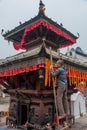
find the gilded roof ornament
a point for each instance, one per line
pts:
(41, 8)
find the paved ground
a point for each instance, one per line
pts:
(5, 128)
(80, 124)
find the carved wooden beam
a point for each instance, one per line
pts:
(35, 92)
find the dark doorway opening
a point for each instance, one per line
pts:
(23, 114)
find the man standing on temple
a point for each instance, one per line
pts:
(61, 85)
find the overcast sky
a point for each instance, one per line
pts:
(71, 13)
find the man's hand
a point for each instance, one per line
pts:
(51, 66)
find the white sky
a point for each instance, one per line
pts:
(71, 13)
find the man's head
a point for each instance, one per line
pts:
(59, 63)
(48, 126)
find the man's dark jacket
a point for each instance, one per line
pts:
(61, 76)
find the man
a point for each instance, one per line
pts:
(61, 84)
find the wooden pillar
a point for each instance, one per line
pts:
(27, 112)
(41, 79)
(17, 108)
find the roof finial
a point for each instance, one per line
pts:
(41, 8)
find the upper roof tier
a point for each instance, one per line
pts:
(31, 33)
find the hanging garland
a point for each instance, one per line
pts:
(48, 77)
(47, 73)
(76, 76)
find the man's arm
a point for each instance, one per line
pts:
(54, 73)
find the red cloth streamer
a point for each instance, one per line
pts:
(56, 120)
(18, 46)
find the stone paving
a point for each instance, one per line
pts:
(80, 123)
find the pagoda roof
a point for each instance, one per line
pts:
(21, 27)
(18, 34)
(36, 51)
(28, 55)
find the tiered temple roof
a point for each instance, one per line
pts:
(31, 33)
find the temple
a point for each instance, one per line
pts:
(26, 75)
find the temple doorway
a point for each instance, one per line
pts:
(23, 114)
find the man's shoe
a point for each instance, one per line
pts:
(62, 116)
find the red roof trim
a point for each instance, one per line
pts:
(49, 26)
(21, 70)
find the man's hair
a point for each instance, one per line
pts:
(60, 61)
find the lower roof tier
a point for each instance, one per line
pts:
(33, 60)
